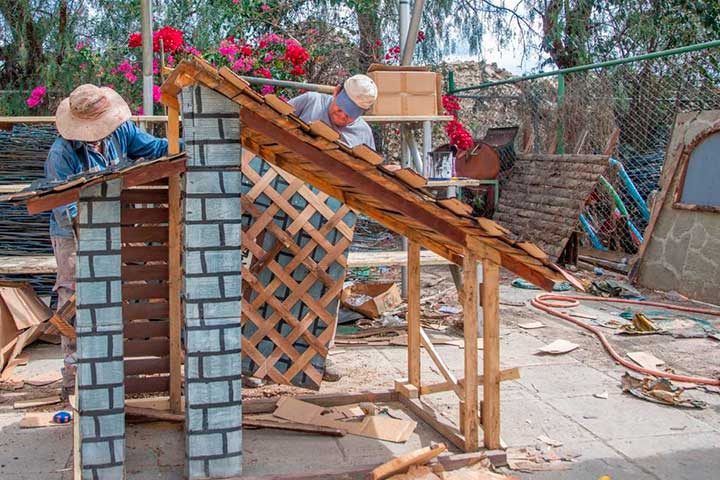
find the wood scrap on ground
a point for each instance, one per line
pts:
(37, 402)
(39, 420)
(534, 459)
(404, 462)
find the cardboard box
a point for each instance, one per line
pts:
(372, 299)
(407, 91)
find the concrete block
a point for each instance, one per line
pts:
(203, 235)
(226, 417)
(93, 191)
(197, 288)
(82, 267)
(232, 181)
(107, 211)
(119, 448)
(109, 372)
(193, 210)
(82, 213)
(200, 445)
(196, 469)
(232, 284)
(91, 293)
(194, 420)
(203, 393)
(93, 347)
(114, 187)
(206, 341)
(92, 400)
(223, 261)
(87, 427)
(107, 266)
(226, 467)
(112, 425)
(226, 154)
(110, 317)
(192, 366)
(118, 397)
(115, 291)
(83, 318)
(95, 241)
(95, 453)
(193, 263)
(223, 208)
(221, 365)
(217, 310)
(202, 182)
(110, 473)
(232, 234)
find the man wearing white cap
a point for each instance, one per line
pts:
(342, 111)
(95, 134)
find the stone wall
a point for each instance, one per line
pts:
(212, 291)
(683, 252)
(99, 327)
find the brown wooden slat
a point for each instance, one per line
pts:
(144, 196)
(144, 291)
(130, 216)
(156, 347)
(147, 366)
(144, 254)
(135, 330)
(147, 384)
(144, 272)
(143, 311)
(143, 234)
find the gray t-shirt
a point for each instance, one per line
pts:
(312, 106)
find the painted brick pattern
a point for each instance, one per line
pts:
(212, 291)
(99, 326)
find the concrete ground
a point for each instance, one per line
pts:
(621, 436)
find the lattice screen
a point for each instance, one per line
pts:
(297, 240)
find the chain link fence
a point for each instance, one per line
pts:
(626, 110)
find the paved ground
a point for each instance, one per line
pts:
(621, 436)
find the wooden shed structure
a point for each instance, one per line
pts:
(201, 290)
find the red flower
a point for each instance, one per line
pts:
(296, 54)
(451, 105)
(378, 43)
(135, 40)
(458, 136)
(247, 50)
(172, 39)
(420, 36)
(297, 70)
(263, 72)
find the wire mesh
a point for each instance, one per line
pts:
(626, 111)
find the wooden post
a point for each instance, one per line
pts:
(469, 415)
(491, 354)
(413, 313)
(175, 266)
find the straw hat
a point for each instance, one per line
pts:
(362, 90)
(91, 113)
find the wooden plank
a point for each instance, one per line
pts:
(150, 173)
(444, 370)
(456, 206)
(505, 375)
(403, 463)
(28, 264)
(367, 154)
(491, 354)
(173, 128)
(145, 384)
(279, 104)
(140, 366)
(428, 415)
(143, 234)
(149, 253)
(144, 196)
(392, 259)
(470, 334)
(145, 291)
(77, 438)
(155, 347)
(323, 130)
(143, 330)
(130, 273)
(413, 313)
(144, 311)
(48, 202)
(175, 280)
(411, 177)
(268, 405)
(143, 216)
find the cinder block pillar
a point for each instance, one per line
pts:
(99, 326)
(212, 291)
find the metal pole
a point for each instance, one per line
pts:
(147, 49)
(404, 11)
(411, 40)
(560, 100)
(290, 84)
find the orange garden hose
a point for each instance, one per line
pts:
(548, 302)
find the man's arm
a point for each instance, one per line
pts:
(300, 103)
(59, 166)
(143, 145)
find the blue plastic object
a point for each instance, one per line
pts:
(62, 417)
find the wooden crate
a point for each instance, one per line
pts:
(297, 241)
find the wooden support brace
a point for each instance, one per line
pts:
(413, 313)
(470, 427)
(406, 389)
(491, 354)
(175, 266)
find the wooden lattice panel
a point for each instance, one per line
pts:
(144, 255)
(297, 240)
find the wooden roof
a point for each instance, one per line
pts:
(44, 195)
(545, 194)
(396, 199)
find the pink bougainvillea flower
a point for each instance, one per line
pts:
(157, 93)
(131, 77)
(378, 43)
(420, 36)
(193, 51)
(236, 2)
(36, 96)
(269, 39)
(263, 72)
(264, 7)
(83, 66)
(135, 40)
(268, 57)
(284, 98)
(267, 89)
(156, 66)
(140, 111)
(246, 50)
(80, 45)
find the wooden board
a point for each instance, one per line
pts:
(298, 239)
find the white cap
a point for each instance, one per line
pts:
(362, 90)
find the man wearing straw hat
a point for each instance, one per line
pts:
(95, 134)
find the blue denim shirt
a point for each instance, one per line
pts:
(71, 157)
